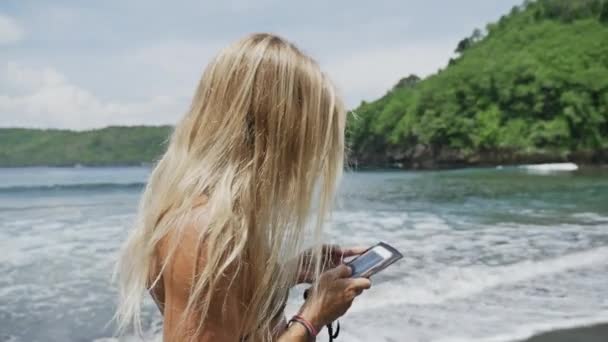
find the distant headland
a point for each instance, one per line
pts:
(529, 88)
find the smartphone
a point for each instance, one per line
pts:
(374, 260)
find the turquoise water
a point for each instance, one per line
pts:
(490, 255)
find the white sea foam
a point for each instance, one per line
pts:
(131, 338)
(551, 167)
(590, 217)
(464, 275)
(526, 331)
(453, 283)
(517, 334)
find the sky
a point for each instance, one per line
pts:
(89, 64)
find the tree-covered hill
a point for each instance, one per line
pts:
(531, 87)
(107, 146)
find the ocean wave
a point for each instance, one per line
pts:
(526, 331)
(28, 208)
(78, 187)
(454, 283)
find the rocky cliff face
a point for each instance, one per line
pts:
(420, 157)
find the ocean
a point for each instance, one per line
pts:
(490, 255)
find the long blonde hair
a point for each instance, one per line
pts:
(263, 141)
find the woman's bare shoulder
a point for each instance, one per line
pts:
(187, 260)
(184, 246)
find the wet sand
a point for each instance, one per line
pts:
(595, 333)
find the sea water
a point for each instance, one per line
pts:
(489, 255)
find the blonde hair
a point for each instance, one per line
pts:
(263, 141)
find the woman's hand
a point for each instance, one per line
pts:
(333, 296)
(332, 256)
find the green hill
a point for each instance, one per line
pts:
(107, 146)
(532, 87)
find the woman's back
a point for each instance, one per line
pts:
(175, 281)
(264, 129)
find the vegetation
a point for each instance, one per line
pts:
(531, 87)
(108, 146)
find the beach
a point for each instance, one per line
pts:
(594, 333)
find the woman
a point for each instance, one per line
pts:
(249, 173)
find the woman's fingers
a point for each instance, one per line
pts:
(341, 271)
(351, 251)
(360, 284)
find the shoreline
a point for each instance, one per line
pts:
(591, 333)
(351, 167)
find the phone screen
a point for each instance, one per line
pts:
(364, 264)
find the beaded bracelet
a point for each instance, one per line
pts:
(309, 327)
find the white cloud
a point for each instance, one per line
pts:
(10, 31)
(368, 73)
(175, 56)
(360, 74)
(45, 98)
(144, 65)
(177, 64)
(20, 79)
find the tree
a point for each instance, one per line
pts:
(476, 35)
(536, 82)
(463, 45)
(407, 82)
(604, 13)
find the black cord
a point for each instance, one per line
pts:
(330, 329)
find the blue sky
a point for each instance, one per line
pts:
(88, 64)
